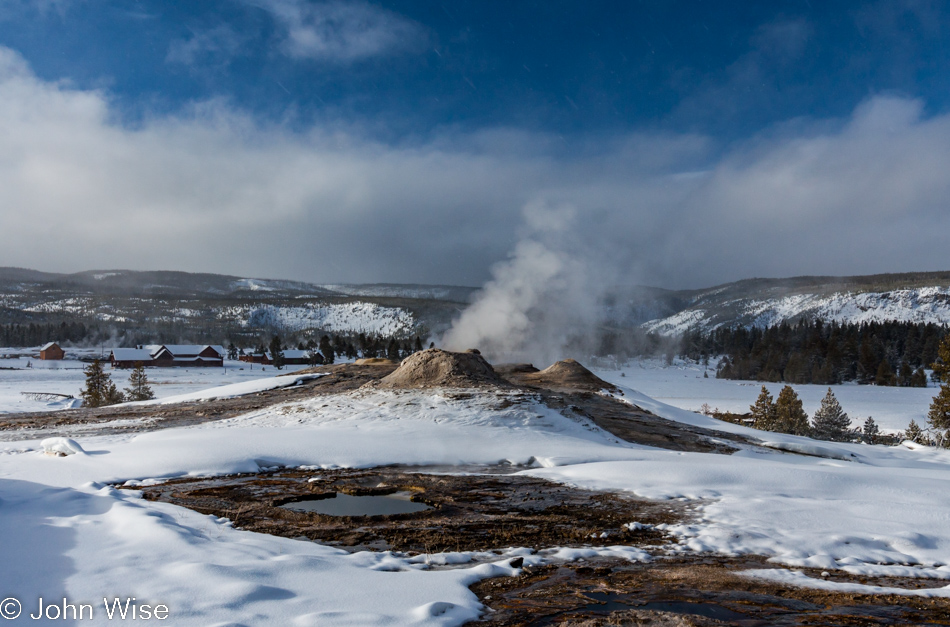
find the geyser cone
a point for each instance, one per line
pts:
(438, 368)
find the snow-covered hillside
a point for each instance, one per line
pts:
(925, 304)
(355, 317)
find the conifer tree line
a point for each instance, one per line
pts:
(882, 353)
(328, 348)
(34, 334)
(785, 414)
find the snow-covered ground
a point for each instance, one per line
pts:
(682, 385)
(68, 534)
(66, 377)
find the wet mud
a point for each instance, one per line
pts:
(690, 590)
(468, 512)
(491, 510)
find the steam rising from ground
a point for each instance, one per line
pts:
(543, 301)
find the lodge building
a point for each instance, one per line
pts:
(169, 356)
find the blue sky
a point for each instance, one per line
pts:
(729, 69)
(409, 137)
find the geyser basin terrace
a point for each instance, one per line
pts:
(599, 490)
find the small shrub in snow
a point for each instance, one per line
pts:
(915, 434)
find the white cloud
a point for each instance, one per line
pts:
(214, 190)
(342, 31)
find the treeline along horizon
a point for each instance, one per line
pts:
(882, 353)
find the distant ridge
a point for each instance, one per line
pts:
(908, 297)
(192, 307)
(173, 302)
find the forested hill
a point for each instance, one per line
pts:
(130, 307)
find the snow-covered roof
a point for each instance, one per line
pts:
(47, 346)
(296, 354)
(132, 354)
(185, 350)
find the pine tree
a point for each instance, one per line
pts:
(941, 367)
(830, 421)
(314, 358)
(915, 434)
(99, 390)
(326, 349)
(884, 376)
(939, 415)
(139, 389)
(232, 352)
(276, 353)
(905, 373)
(112, 395)
(392, 350)
(790, 417)
(871, 432)
(763, 411)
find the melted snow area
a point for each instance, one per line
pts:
(66, 533)
(356, 317)
(927, 304)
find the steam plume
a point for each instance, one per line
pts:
(542, 302)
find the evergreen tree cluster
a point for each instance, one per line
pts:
(785, 414)
(100, 390)
(882, 353)
(328, 348)
(34, 334)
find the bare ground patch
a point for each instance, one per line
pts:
(469, 512)
(481, 512)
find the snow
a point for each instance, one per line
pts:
(66, 377)
(682, 385)
(87, 540)
(61, 446)
(355, 317)
(132, 354)
(871, 510)
(797, 578)
(920, 305)
(233, 390)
